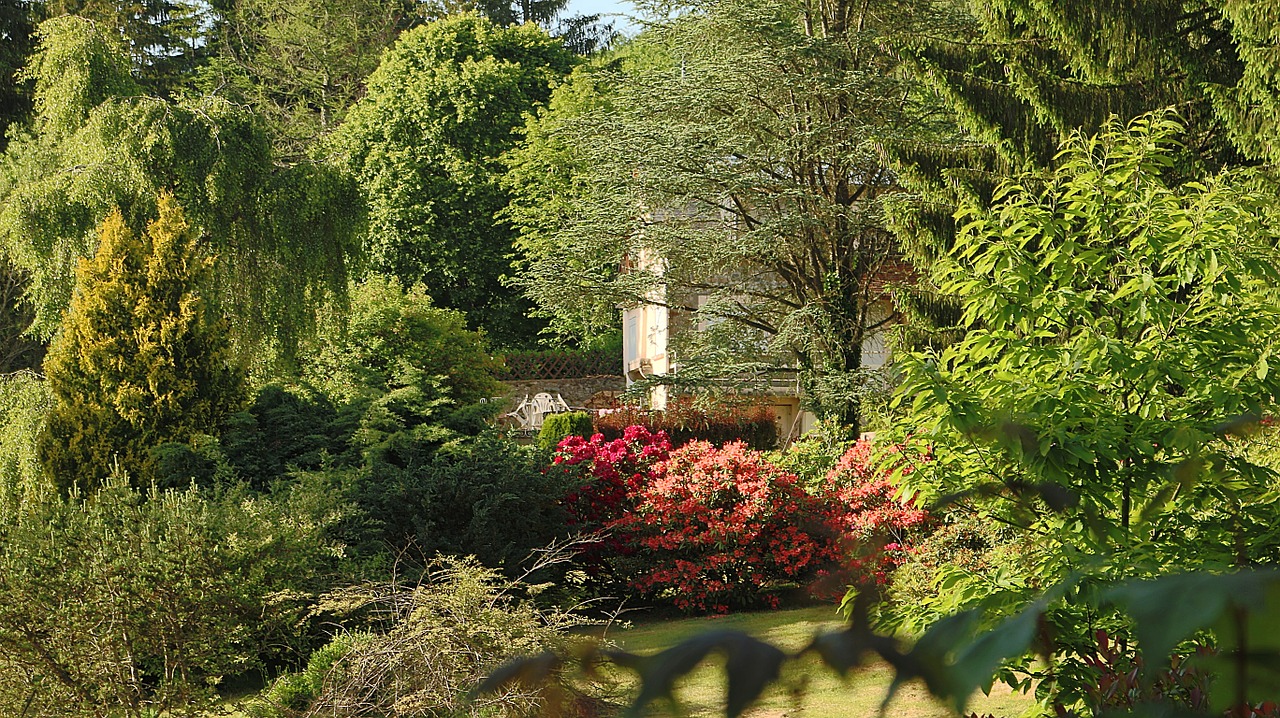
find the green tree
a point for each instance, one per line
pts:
(425, 144)
(1020, 78)
(17, 40)
(285, 234)
(1248, 108)
(735, 171)
(302, 63)
(166, 39)
(141, 359)
(1120, 329)
(389, 332)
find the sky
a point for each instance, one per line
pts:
(606, 7)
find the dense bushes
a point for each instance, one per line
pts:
(719, 525)
(605, 480)
(129, 603)
(485, 496)
(877, 527)
(683, 422)
(557, 426)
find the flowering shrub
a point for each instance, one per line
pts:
(717, 525)
(612, 475)
(876, 527)
(683, 422)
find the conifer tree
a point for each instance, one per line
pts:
(1023, 77)
(141, 359)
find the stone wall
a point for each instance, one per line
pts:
(576, 392)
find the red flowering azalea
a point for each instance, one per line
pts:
(612, 474)
(718, 525)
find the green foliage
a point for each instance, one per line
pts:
(729, 170)
(813, 455)
(425, 142)
(302, 63)
(127, 602)
(1020, 78)
(284, 430)
(166, 39)
(142, 358)
(1120, 331)
(75, 70)
(17, 27)
(948, 568)
(284, 234)
(387, 332)
(24, 404)
(486, 497)
(960, 654)
(1248, 109)
(558, 426)
(295, 692)
(427, 647)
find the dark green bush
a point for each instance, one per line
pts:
(284, 429)
(484, 496)
(558, 426)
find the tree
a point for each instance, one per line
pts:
(1247, 108)
(734, 171)
(388, 332)
(17, 30)
(1020, 78)
(425, 144)
(1120, 329)
(285, 234)
(166, 39)
(301, 64)
(141, 359)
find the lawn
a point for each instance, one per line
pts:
(826, 696)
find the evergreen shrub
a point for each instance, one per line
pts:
(557, 426)
(148, 599)
(483, 496)
(142, 358)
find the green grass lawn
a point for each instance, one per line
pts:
(826, 695)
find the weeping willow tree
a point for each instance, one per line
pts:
(732, 175)
(284, 235)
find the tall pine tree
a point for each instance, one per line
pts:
(1021, 77)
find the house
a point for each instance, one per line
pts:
(650, 328)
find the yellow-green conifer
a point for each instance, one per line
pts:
(141, 359)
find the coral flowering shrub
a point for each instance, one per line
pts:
(717, 525)
(860, 505)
